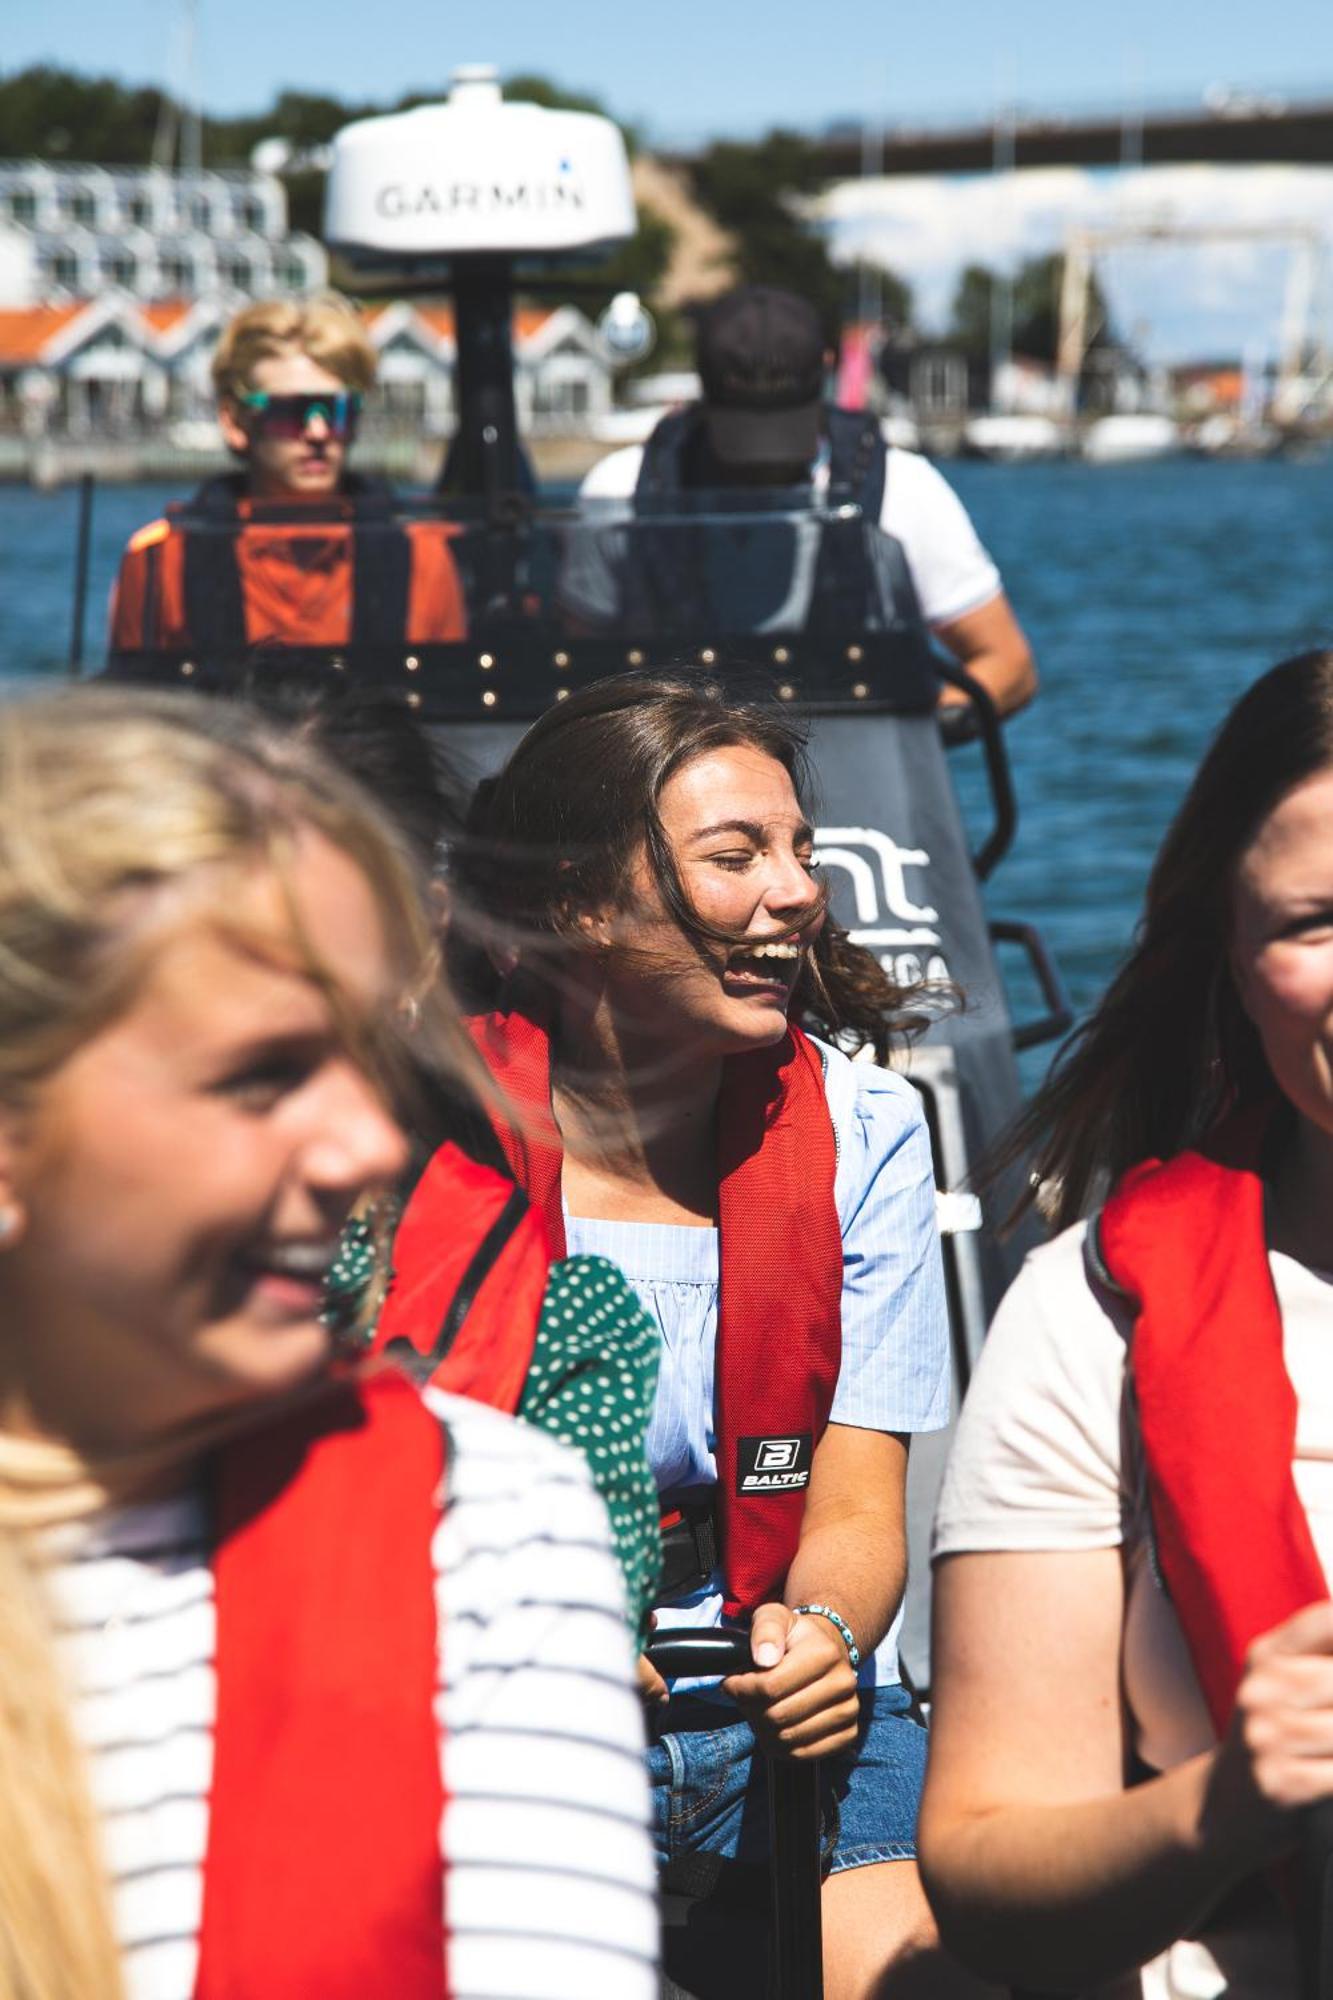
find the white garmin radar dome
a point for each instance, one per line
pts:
(474, 177)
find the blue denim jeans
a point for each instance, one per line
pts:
(710, 1791)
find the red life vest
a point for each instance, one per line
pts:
(779, 1334)
(470, 1264)
(323, 1877)
(1216, 1409)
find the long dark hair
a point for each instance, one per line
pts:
(1169, 1049)
(556, 834)
(369, 731)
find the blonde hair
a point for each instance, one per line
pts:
(109, 801)
(327, 328)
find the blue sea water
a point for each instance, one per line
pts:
(1152, 595)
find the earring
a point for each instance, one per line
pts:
(9, 1222)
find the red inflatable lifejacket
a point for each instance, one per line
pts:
(1216, 1409)
(323, 1876)
(779, 1337)
(470, 1264)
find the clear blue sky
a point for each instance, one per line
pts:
(687, 68)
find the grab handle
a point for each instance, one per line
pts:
(1059, 1016)
(701, 1650)
(998, 775)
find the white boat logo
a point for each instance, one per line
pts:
(887, 919)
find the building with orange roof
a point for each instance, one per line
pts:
(562, 374)
(111, 366)
(115, 283)
(80, 368)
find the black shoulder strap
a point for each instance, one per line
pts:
(845, 597)
(482, 1262)
(662, 470)
(858, 459)
(150, 621)
(217, 499)
(381, 565)
(863, 575)
(372, 499)
(1095, 1258)
(214, 602)
(444, 1116)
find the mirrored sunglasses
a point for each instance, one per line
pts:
(290, 416)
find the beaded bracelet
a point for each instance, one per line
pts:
(839, 1624)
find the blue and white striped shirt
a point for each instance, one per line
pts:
(895, 1334)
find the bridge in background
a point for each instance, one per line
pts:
(1242, 130)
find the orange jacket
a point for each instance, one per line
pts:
(296, 582)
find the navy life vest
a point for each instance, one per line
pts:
(861, 581)
(215, 600)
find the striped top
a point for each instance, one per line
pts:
(551, 1885)
(895, 1333)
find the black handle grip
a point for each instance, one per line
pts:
(796, 1955)
(699, 1650)
(1315, 1923)
(1059, 1016)
(998, 775)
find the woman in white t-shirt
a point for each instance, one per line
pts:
(305, 1685)
(1134, 1653)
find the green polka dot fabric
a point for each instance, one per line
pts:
(591, 1384)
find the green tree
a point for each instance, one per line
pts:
(1037, 286)
(1035, 310)
(637, 266)
(48, 113)
(970, 317)
(756, 192)
(875, 289)
(752, 191)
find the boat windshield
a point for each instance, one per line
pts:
(497, 611)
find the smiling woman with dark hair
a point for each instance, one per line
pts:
(641, 872)
(1137, 1519)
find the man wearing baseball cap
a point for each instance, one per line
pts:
(763, 421)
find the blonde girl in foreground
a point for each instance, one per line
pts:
(279, 1645)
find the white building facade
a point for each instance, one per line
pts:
(70, 232)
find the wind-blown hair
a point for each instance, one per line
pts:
(557, 832)
(1169, 1049)
(123, 814)
(328, 328)
(369, 731)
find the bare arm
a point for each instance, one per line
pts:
(853, 1557)
(990, 643)
(853, 1547)
(1042, 1869)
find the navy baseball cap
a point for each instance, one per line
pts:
(761, 363)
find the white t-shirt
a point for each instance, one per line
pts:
(951, 569)
(551, 1886)
(1046, 1457)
